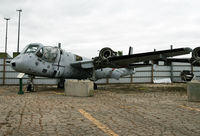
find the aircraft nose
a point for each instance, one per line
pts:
(16, 63)
(13, 64)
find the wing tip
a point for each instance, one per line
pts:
(188, 49)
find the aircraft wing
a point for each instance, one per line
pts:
(183, 60)
(129, 60)
(192, 61)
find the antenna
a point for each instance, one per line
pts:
(59, 45)
(130, 50)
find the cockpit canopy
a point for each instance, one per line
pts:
(31, 48)
(46, 53)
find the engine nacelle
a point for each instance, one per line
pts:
(196, 53)
(106, 53)
(196, 56)
(113, 73)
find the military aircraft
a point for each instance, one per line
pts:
(47, 61)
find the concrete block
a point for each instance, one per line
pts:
(79, 88)
(193, 91)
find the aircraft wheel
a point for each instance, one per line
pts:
(61, 83)
(30, 88)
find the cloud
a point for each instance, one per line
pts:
(86, 26)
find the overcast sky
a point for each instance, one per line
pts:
(86, 26)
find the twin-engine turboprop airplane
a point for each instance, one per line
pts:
(39, 60)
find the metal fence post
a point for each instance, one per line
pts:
(171, 71)
(152, 73)
(107, 80)
(171, 68)
(192, 68)
(131, 81)
(4, 70)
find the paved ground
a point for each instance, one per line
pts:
(139, 110)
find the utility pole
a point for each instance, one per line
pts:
(18, 10)
(6, 33)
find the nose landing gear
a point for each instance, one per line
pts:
(30, 85)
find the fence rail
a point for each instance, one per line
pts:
(143, 75)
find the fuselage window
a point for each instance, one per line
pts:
(31, 49)
(78, 58)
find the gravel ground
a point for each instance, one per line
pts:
(126, 109)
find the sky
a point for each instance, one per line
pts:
(86, 26)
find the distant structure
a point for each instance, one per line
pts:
(18, 10)
(6, 38)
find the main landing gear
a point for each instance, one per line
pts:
(61, 83)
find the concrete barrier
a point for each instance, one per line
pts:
(193, 91)
(79, 88)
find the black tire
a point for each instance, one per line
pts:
(61, 83)
(30, 88)
(186, 75)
